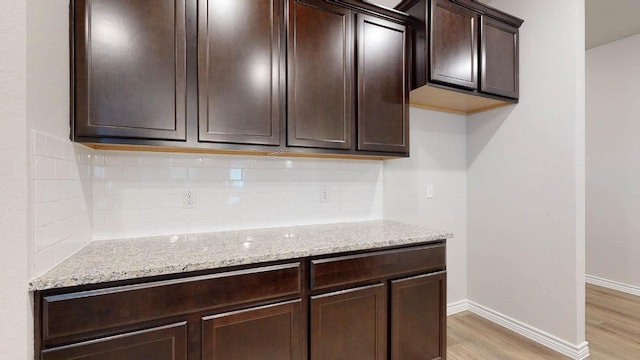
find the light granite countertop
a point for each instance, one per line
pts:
(123, 259)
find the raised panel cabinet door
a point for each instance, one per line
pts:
(162, 343)
(350, 324)
(273, 332)
(418, 317)
(239, 54)
(454, 44)
(129, 69)
(320, 81)
(499, 58)
(383, 92)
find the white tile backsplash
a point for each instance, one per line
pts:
(82, 194)
(141, 193)
(62, 199)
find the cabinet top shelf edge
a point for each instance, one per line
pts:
(480, 8)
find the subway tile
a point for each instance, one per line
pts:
(186, 161)
(138, 173)
(39, 143)
(51, 234)
(108, 172)
(120, 158)
(73, 189)
(55, 147)
(48, 190)
(66, 170)
(208, 174)
(97, 158)
(148, 159)
(172, 173)
(69, 152)
(44, 260)
(44, 168)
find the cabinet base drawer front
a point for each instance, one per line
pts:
(272, 332)
(163, 343)
(88, 311)
(350, 324)
(352, 269)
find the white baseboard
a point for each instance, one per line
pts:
(457, 307)
(579, 352)
(613, 285)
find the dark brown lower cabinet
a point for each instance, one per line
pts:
(363, 305)
(418, 312)
(162, 343)
(350, 324)
(272, 332)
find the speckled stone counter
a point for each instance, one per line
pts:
(112, 260)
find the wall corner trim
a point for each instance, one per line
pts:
(576, 352)
(613, 285)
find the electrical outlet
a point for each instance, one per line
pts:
(324, 194)
(189, 199)
(430, 194)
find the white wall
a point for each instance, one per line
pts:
(613, 161)
(526, 180)
(15, 314)
(438, 157)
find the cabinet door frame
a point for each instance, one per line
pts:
(80, 80)
(277, 77)
(486, 21)
(363, 143)
(348, 107)
(176, 332)
(434, 74)
(318, 301)
(211, 323)
(399, 284)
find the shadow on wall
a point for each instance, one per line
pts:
(482, 127)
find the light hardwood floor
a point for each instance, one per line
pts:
(613, 333)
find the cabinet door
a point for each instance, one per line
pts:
(130, 69)
(268, 333)
(454, 44)
(320, 75)
(239, 71)
(418, 317)
(383, 118)
(163, 343)
(349, 324)
(499, 62)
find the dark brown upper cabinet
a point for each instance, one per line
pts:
(465, 55)
(383, 91)
(239, 70)
(129, 69)
(331, 94)
(316, 78)
(321, 72)
(454, 45)
(499, 58)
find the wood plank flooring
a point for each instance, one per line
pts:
(613, 333)
(613, 324)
